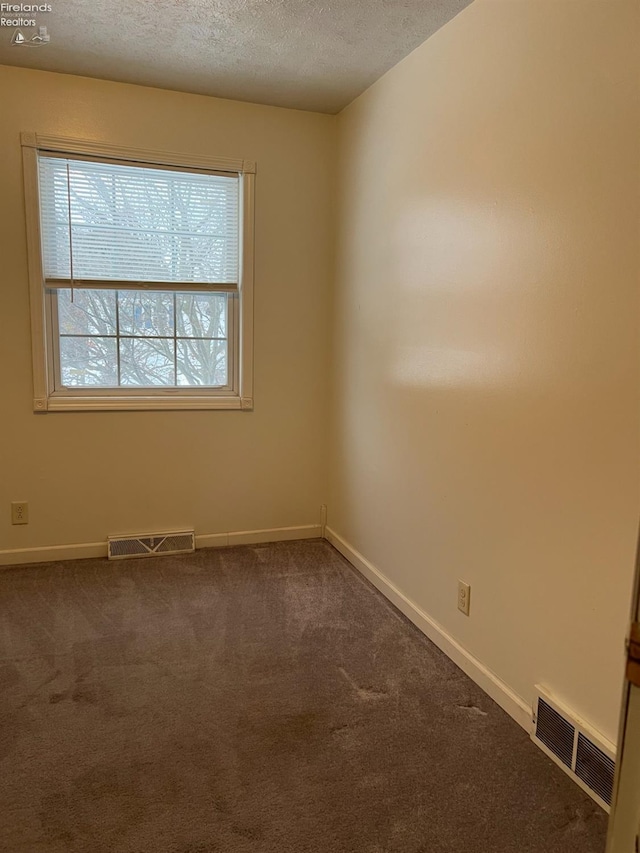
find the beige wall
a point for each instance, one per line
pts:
(486, 337)
(90, 474)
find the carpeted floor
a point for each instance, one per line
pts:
(258, 699)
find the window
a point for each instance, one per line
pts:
(141, 277)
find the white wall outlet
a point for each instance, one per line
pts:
(464, 597)
(19, 512)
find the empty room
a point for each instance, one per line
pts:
(319, 489)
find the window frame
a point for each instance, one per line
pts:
(44, 337)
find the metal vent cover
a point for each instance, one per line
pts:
(151, 544)
(556, 733)
(595, 768)
(580, 752)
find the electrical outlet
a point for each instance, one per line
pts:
(464, 597)
(19, 512)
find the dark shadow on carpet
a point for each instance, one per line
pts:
(261, 699)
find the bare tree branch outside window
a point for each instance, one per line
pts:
(165, 230)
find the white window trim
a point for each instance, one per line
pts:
(45, 397)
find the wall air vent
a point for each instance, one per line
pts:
(151, 544)
(582, 754)
(595, 768)
(556, 733)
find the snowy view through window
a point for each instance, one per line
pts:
(107, 227)
(128, 337)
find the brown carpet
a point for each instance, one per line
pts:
(259, 699)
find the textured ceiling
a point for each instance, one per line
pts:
(291, 53)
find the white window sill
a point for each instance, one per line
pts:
(73, 403)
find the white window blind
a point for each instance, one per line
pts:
(124, 223)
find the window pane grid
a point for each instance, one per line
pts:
(146, 337)
(172, 356)
(175, 345)
(119, 366)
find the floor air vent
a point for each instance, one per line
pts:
(581, 753)
(150, 545)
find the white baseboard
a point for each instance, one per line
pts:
(51, 553)
(255, 537)
(488, 681)
(84, 550)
